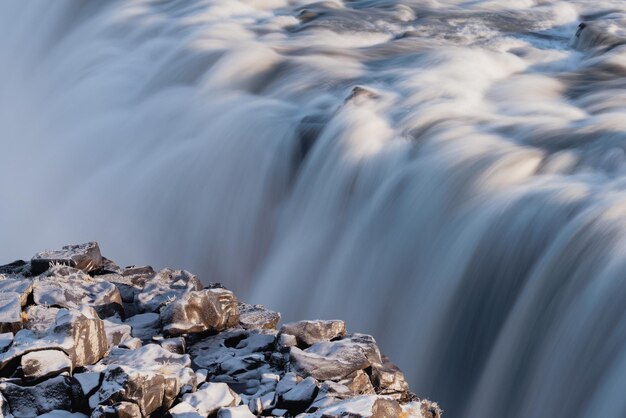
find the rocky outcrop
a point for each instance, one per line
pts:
(81, 336)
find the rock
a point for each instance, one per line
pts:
(129, 281)
(85, 257)
(199, 311)
(210, 397)
(62, 414)
(174, 345)
(257, 316)
(184, 410)
(32, 401)
(6, 339)
(40, 318)
(389, 380)
(89, 382)
(144, 326)
(165, 287)
(23, 287)
(131, 343)
(604, 34)
(367, 406)
(235, 412)
(18, 268)
(66, 287)
(308, 333)
(329, 360)
(80, 334)
(358, 383)
(117, 410)
(116, 333)
(45, 363)
(10, 312)
(298, 398)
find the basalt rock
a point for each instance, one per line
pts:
(84, 337)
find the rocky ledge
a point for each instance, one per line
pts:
(81, 336)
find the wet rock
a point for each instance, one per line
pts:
(165, 287)
(10, 312)
(199, 311)
(45, 363)
(66, 287)
(308, 333)
(210, 397)
(85, 257)
(257, 316)
(32, 401)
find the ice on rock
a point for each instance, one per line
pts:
(10, 312)
(85, 257)
(210, 397)
(166, 286)
(66, 287)
(308, 333)
(44, 363)
(199, 311)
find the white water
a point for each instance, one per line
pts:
(472, 216)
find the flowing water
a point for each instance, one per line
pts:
(466, 202)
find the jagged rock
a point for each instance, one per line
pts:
(333, 360)
(10, 312)
(198, 311)
(85, 257)
(130, 281)
(359, 383)
(144, 326)
(210, 397)
(44, 363)
(116, 333)
(40, 318)
(389, 380)
(308, 333)
(32, 401)
(257, 316)
(80, 334)
(23, 287)
(165, 287)
(235, 412)
(67, 287)
(117, 410)
(367, 406)
(298, 398)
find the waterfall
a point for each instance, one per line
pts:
(447, 175)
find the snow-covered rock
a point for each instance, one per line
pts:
(85, 337)
(85, 257)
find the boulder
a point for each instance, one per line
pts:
(241, 411)
(257, 316)
(298, 398)
(85, 257)
(10, 312)
(164, 287)
(389, 380)
(144, 326)
(66, 287)
(210, 397)
(117, 410)
(199, 311)
(23, 287)
(32, 401)
(367, 406)
(40, 318)
(45, 363)
(308, 333)
(116, 333)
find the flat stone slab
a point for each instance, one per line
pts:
(10, 312)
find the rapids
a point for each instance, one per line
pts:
(466, 204)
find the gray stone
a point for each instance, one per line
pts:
(199, 311)
(298, 398)
(310, 332)
(85, 257)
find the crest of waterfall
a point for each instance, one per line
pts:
(448, 175)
